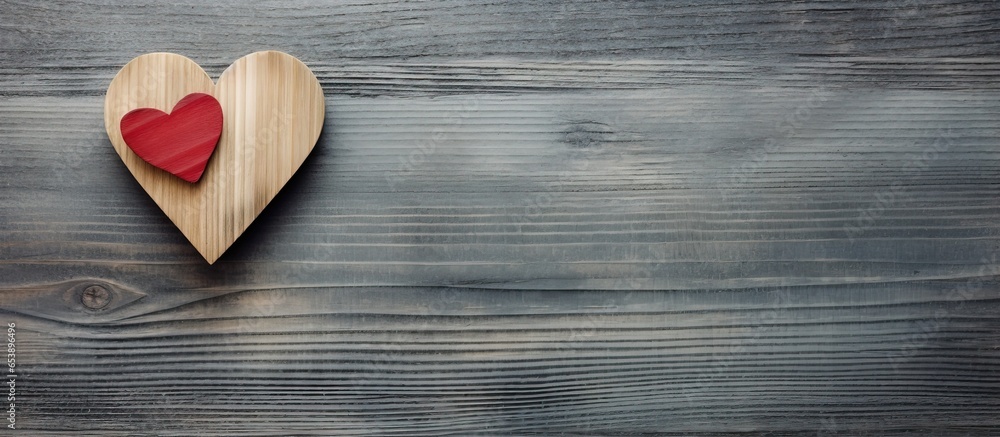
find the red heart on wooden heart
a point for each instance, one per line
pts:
(180, 142)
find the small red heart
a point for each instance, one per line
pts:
(180, 142)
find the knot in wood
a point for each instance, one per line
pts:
(95, 297)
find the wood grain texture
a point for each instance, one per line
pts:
(273, 110)
(893, 359)
(544, 218)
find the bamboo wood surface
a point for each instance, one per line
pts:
(525, 218)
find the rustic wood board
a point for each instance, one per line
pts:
(631, 218)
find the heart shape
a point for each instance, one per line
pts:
(273, 111)
(180, 142)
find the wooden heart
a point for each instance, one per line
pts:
(179, 142)
(273, 111)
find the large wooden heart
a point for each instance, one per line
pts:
(273, 111)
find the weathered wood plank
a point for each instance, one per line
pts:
(411, 78)
(104, 32)
(385, 361)
(669, 189)
(642, 217)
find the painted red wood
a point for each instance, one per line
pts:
(180, 142)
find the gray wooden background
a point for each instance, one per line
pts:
(525, 218)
